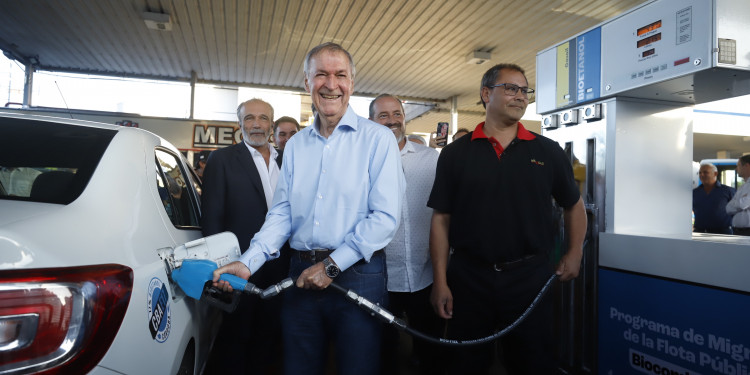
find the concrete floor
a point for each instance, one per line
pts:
(409, 365)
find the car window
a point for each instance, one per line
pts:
(174, 190)
(196, 182)
(48, 162)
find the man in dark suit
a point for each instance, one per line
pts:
(238, 186)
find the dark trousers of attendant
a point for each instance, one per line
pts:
(484, 301)
(416, 309)
(311, 319)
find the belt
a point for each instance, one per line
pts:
(317, 255)
(503, 266)
(313, 256)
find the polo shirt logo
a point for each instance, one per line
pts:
(534, 161)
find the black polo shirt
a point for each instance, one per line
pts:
(500, 201)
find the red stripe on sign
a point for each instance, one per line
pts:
(682, 61)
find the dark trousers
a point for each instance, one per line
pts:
(249, 339)
(416, 309)
(484, 301)
(741, 231)
(313, 319)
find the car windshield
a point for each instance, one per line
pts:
(48, 162)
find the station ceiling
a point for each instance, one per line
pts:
(417, 49)
(414, 49)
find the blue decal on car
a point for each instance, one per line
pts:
(159, 311)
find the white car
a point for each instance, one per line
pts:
(87, 212)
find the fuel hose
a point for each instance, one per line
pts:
(389, 318)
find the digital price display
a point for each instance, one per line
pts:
(649, 27)
(648, 53)
(649, 40)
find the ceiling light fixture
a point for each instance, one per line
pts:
(478, 57)
(157, 21)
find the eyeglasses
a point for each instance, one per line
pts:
(512, 90)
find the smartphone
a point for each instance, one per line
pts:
(442, 132)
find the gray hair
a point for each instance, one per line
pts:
(239, 107)
(330, 47)
(710, 165)
(372, 104)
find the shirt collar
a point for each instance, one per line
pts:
(522, 133)
(408, 147)
(253, 151)
(349, 120)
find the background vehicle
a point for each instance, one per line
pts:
(85, 211)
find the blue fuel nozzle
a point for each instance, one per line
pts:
(195, 278)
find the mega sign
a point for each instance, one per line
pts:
(215, 136)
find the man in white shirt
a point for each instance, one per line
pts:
(739, 206)
(238, 186)
(408, 254)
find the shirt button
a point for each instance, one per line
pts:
(316, 222)
(320, 196)
(328, 146)
(324, 171)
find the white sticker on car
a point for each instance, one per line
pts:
(159, 311)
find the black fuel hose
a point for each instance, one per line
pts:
(389, 318)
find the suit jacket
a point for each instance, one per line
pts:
(233, 200)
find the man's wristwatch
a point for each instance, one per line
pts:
(332, 270)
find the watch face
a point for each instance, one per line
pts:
(332, 271)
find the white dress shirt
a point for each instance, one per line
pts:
(408, 255)
(739, 206)
(269, 174)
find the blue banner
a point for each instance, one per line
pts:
(587, 72)
(655, 326)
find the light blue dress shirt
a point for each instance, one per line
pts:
(342, 193)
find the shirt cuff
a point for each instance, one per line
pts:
(253, 260)
(345, 257)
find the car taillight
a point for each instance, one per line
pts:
(60, 320)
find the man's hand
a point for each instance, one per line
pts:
(236, 268)
(442, 301)
(314, 277)
(569, 265)
(434, 140)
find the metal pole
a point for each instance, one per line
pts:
(454, 114)
(27, 85)
(193, 81)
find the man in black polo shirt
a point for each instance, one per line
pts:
(492, 201)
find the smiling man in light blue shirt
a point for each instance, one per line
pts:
(338, 201)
